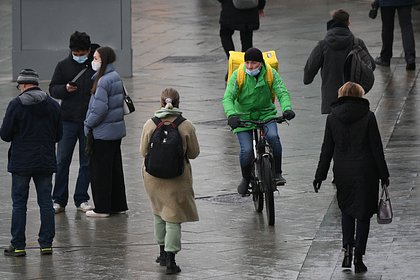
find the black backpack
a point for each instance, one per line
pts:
(358, 67)
(165, 157)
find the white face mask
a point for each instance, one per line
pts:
(96, 65)
(254, 72)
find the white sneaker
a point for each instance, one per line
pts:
(84, 206)
(93, 214)
(57, 208)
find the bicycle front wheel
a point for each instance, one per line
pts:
(268, 183)
(257, 195)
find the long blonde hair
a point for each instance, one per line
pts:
(351, 89)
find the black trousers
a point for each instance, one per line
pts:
(404, 17)
(227, 42)
(107, 177)
(348, 224)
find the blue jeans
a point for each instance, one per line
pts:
(71, 133)
(20, 192)
(246, 155)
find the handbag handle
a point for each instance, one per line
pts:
(385, 191)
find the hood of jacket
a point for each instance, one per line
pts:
(35, 101)
(338, 35)
(350, 109)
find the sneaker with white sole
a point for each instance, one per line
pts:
(58, 208)
(84, 206)
(93, 214)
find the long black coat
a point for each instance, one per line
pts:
(352, 139)
(235, 19)
(329, 55)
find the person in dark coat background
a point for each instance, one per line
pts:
(329, 55)
(353, 140)
(246, 21)
(388, 8)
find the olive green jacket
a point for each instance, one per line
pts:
(254, 101)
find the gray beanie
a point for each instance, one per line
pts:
(28, 76)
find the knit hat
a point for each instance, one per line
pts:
(254, 54)
(28, 76)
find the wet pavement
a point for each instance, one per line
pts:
(176, 43)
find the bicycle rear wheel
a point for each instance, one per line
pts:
(268, 183)
(257, 195)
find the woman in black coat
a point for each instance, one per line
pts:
(246, 21)
(352, 139)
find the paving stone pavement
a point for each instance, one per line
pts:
(176, 43)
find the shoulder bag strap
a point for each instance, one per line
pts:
(79, 74)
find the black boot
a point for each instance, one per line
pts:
(161, 259)
(171, 267)
(278, 178)
(359, 266)
(246, 179)
(348, 256)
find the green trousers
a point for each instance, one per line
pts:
(168, 234)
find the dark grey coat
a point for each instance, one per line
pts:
(352, 139)
(329, 55)
(235, 19)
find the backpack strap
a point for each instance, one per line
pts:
(178, 121)
(157, 121)
(268, 77)
(240, 79)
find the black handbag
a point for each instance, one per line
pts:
(128, 104)
(385, 214)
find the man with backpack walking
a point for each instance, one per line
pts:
(253, 100)
(330, 55)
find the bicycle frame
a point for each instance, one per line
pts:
(261, 149)
(262, 180)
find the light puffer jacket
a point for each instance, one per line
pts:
(105, 111)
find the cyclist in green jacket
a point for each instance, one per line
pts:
(253, 100)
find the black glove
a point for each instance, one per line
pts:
(385, 182)
(288, 115)
(233, 121)
(374, 11)
(317, 185)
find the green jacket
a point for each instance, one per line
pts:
(254, 102)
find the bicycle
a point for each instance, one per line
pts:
(263, 170)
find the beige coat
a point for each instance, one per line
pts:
(172, 199)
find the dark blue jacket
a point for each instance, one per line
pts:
(395, 3)
(32, 124)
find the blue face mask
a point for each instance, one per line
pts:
(254, 72)
(80, 59)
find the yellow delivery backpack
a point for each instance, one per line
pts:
(236, 61)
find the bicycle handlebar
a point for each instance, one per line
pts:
(245, 123)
